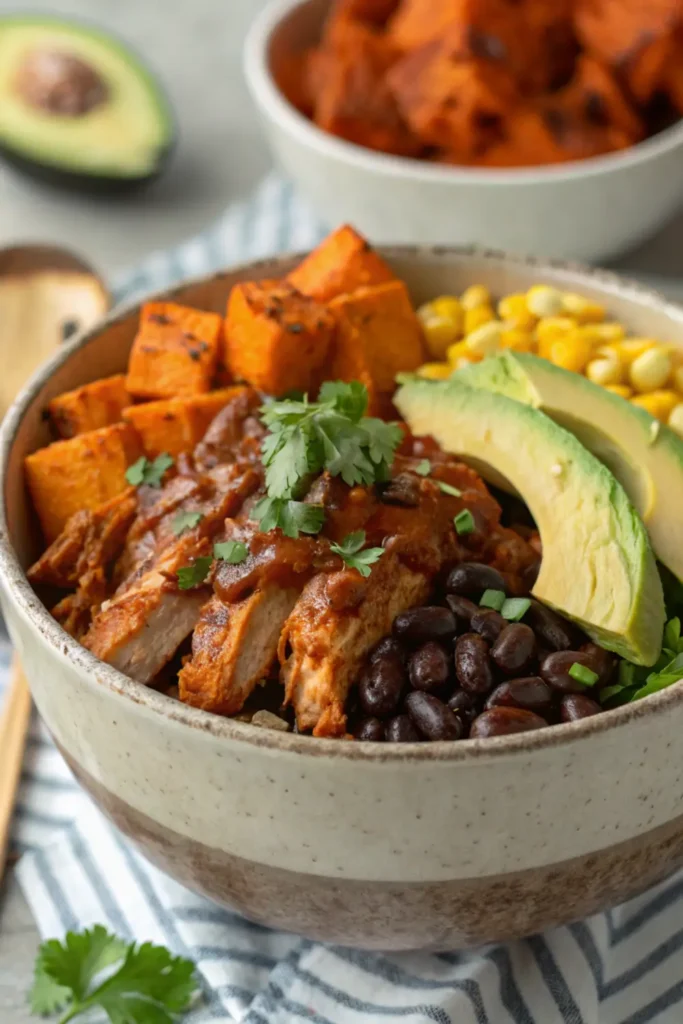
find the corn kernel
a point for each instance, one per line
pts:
(582, 309)
(552, 329)
(571, 353)
(457, 351)
(676, 418)
(619, 389)
(474, 318)
(514, 310)
(678, 378)
(651, 370)
(474, 296)
(659, 404)
(543, 300)
(606, 370)
(449, 306)
(517, 339)
(435, 371)
(631, 348)
(486, 339)
(464, 361)
(603, 334)
(439, 332)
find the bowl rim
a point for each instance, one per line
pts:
(272, 101)
(19, 591)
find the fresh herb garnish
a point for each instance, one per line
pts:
(449, 489)
(150, 473)
(464, 522)
(515, 608)
(583, 675)
(423, 468)
(350, 550)
(149, 985)
(192, 575)
(493, 599)
(185, 521)
(293, 517)
(232, 551)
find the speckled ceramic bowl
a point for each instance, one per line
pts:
(398, 846)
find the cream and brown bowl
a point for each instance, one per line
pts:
(383, 846)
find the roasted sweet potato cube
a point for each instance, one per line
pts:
(418, 22)
(378, 336)
(80, 473)
(176, 425)
(90, 407)
(276, 338)
(375, 12)
(175, 351)
(343, 262)
(528, 142)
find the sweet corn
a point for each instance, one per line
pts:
(515, 311)
(676, 418)
(571, 353)
(581, 309)
(486, 339)
(435, 371)
(543, 300)
(457, 351)
(619, 389)
(651, 370)
(552, 329)
(630, 349)
(659, 404)
(517, 339)
(448, 306)
(477, 316)
(439, 332)
(604, 371)
(474, 296)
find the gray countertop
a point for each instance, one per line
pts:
(196, 50)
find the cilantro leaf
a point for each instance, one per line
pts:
(350, 550)
(185, 521)
(231, 551)
(267, 513)
(135, 474)
(75, 962)
(660, 680)
(351, 399)
(150, 473)
(672, 634)
(383, 439)
(292, 517)
(424, 468)
(46, 995)
(192, 575)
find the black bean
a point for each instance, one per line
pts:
(528, 692)
(464, 706)
(370, 729)
(515, 649)
(401, 730)
(418, 625)
(575, 706)
(488, 623)
(502, 721)
(471, 579)
(432, 718)
(429, 668)
(604, 663)
(403, 490)
(463, 609)
(555, 670)
(550, 628)
(386, 646)
(381, 686)
(472, 665)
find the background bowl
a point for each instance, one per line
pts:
(392, 846)
(588, 209)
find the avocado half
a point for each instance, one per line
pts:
(645, 456)
(598, 568)
(78, 108)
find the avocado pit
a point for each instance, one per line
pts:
(59, 83)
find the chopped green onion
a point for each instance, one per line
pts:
(583, 675)
(449, 489)
(464, 522)
(424, 468)
(515, 608)
(493, 599)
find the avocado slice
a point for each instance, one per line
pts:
(643, 454)
(598, 567)
(77, 107)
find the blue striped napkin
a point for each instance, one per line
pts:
(622, 967)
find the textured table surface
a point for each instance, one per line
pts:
(221, 156)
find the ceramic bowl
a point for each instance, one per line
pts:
(434, 846)
(588, 210)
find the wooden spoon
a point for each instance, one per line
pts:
(46, 294)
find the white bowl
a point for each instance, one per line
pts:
(588, 209)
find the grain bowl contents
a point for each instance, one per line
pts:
(243, 522)
(490, 83)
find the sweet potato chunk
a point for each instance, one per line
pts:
(343, 262)
(375, 12)
(275, 337)
(418, 22)
(378, 336)
(177, 424)
(90, 407)
(175, 352)
(80, 473)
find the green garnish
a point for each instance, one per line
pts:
(583, 675)
(515, 608)
(464, 522)
(192, 575)
(350, 550)
(150, 473)
(185, 521)
(232, 551)
(423, 468)
(493, 599)
(293, 517)
(672, 634)
(449, 489)
(149, 985)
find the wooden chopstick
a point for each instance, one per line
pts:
(14, 722)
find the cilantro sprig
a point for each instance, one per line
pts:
(185, 521)
(351, 551)
(135, 984)
(635, 682)
(150, 473)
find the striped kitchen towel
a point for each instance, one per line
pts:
(622, 967)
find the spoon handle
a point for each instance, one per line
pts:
(14, 722)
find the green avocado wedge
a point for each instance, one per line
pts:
(644, 455)
(598, 568)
